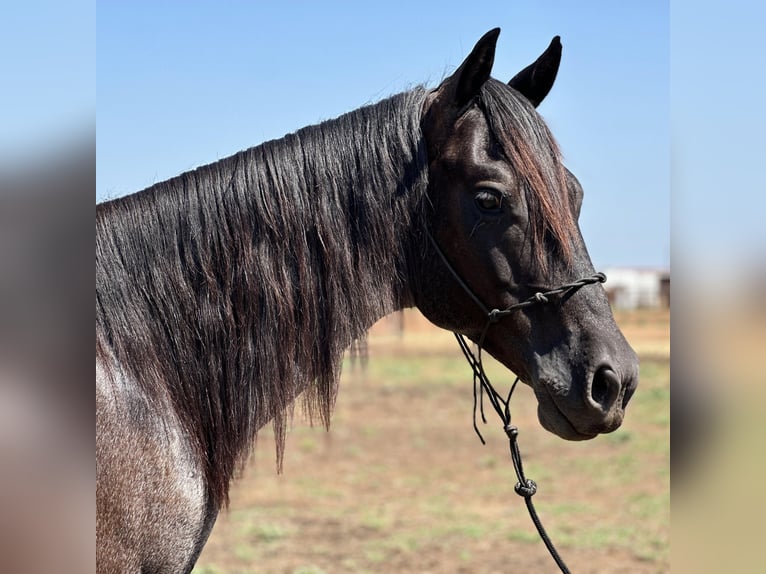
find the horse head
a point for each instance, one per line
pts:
(503, 211)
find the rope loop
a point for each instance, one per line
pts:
(527, 491)
(600, 277)
(541, 298)
(494, 316)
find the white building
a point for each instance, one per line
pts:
(638, 287)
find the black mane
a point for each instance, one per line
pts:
(284, 235)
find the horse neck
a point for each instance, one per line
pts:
(249, 277)
(341, 200)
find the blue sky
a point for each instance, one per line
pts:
(47, 67)
(717, 142)
(184, 84)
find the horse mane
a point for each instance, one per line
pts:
(532, 152)
(231, 289)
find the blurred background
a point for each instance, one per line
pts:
(657, 103)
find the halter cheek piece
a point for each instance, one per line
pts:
(525, 487)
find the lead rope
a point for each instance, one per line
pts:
(525, 487)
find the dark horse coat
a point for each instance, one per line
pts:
(226, 292)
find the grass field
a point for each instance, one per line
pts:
(402, 484)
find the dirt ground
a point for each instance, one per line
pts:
(401, 483)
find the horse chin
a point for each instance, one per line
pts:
(555, 421)
(560, 426)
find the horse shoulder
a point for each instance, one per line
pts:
(152, 513)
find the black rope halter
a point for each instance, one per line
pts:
(526, 488)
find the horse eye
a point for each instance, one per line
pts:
(488, 200)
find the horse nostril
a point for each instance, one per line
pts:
(599, 390)
(604, 389)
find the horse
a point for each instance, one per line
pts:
(226, 293)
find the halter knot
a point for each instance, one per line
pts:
(540, 298)
(601, 277)
(494, 316)
(528, 490)
(511, 430)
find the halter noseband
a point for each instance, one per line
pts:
(539, 298)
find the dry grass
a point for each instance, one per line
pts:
(402, 484)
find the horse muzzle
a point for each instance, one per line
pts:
(595, 404)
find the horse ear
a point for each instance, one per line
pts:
(536, 80)
(476, 68)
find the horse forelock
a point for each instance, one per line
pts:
(233, 288)
(534, 155)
